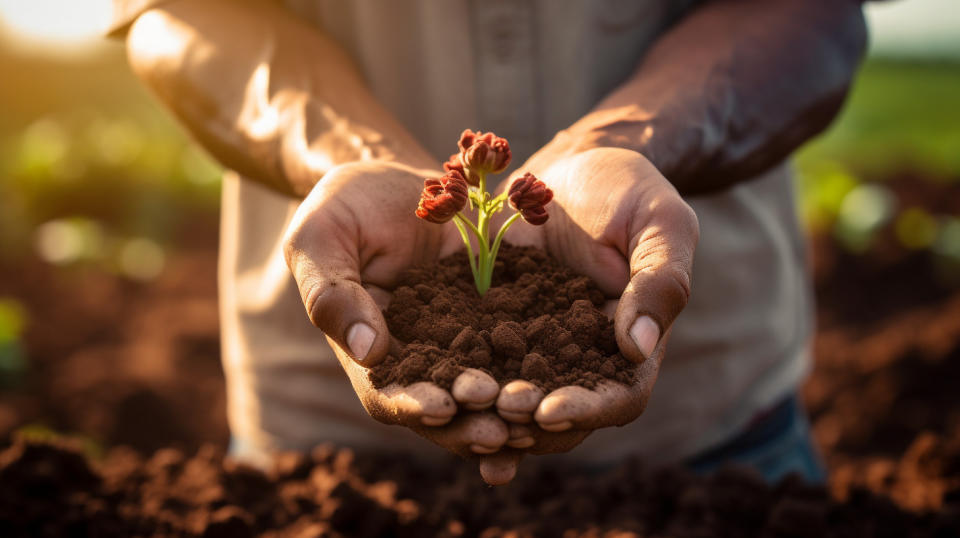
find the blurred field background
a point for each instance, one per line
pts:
(108, 233)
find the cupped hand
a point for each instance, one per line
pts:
(616, 219)
(347, 244)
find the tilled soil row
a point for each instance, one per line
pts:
(52, 489)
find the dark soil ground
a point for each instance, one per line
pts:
(119, 363)
(53, 490)
(539, 321)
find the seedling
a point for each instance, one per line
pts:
(443, 199)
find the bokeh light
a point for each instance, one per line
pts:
(69, 240)
(141, 259)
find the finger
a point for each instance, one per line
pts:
(559, 442)
(473, 433)
(380, 296)
(577, 408)
(520, 436)
(610, 308)
(500, 468)
(518, 400)
(421, 403)
(329, 282)
(484, 433)
(664, 235)
(475, 389)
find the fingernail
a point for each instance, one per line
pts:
(434, 421)
(557, 426)
(521, 442)
(480, 449)
(360, 338)
(645, 334)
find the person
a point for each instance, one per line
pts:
(655, 123)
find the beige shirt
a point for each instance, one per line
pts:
(524, 69)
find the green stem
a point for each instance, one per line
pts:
(460, 217)
(486, 272)
(483, 218)
(482, 264)
(466, 241)
(503, 229)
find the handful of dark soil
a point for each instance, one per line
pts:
(539, 321)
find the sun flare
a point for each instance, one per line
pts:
(55, 22)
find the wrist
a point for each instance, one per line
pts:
(597, 130)
(381, 155)
(625, 127)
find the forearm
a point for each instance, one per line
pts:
(732, 90)
(266, 94)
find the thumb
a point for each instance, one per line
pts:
(663, 237)
(329, 281)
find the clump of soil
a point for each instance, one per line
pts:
(51, 489)
(539, 321)
(54, 490)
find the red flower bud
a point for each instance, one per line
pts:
(529, 196)
(454, 163)
(442, 198)
(484, 152)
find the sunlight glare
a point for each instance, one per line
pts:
(56, 22)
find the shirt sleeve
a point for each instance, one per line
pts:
(127, 11)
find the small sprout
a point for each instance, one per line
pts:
(443, 199)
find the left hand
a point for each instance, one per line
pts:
(616, 219)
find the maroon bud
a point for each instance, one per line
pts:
(442, 198)
(529, 196)
(467, 137)
(454, 163)
(484, 152)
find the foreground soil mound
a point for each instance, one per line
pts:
(52, 489)
(539, 321)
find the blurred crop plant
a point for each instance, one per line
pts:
(84, 169)
(78, 240)
(890, 165)
(13, 361)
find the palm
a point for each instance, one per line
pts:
(370, 212)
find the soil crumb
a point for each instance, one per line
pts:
(539, 321)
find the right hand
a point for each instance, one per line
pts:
(348, 242)
(616, 219)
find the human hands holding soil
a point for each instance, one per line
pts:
(615, 217)
(349, 240)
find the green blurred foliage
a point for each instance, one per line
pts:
(13, 362)
(902, 119)
(899, 115)
(91, 168)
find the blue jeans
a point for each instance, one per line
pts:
(776, 445)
